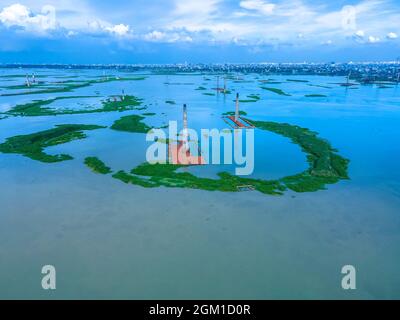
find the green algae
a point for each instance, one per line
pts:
(277, 91)
(208, 94)
(294, 80)
(125, 103)
(132, 123)
(201, 88)
(33, 145)
(254, 96)
(97, 165)
(37, 107)
(232, 113)
(319, 86)
(325, 167)
(270, 81)
(315, 96)
(170, 102)
(157, 175)
(69, 86)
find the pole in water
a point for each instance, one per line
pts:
(224, 85)
(185, 129)
(237, 107)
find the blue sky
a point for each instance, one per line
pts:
(175, 31)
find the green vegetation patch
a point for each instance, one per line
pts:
(315, 96)
(232, 113)
(132, 123)
(209, 94)
(120, 104)
(294, 80)
(38, 107)
(97, 165)
(32, 145)
(170, 102)
(276, 90)
(325, 167)
(68, 86)
(201, 88)
(319, 86)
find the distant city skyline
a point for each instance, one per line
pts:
(195, 31)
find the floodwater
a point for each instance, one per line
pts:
(108, 239)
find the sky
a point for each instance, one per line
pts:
(198, 31)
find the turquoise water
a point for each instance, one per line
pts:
(111, 240)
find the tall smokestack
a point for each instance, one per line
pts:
(185, 128)
(237, 107)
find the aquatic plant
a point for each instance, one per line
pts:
(97, 165)
(276, 90)
(232, 113)
(37, 107)
(32, 145)
(132, 123)
(315, 96)
(325, 167)
(68, 86)
(294, 80)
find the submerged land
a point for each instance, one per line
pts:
(326, 166)
(33, 145)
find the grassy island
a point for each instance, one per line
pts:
(97, 165)
(232, 113)
(132, 123)
(277, 91)
(69, 86)
(32, 145)
(294, 80)
(38, 107)
(325, 167)
(315, 96)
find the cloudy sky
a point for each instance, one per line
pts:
(171, 31)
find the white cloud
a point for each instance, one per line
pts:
(392, 35)
(195, 7)
(169, 37)
(327, 43)
(372, 39)
(18, 15)
(121, 30)
(360, 34)
(258, 5)
(101, 27)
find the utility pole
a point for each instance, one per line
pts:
(185, 129)
(224, 85)
(237, 108)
